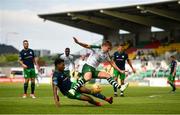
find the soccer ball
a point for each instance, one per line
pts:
(96, 88)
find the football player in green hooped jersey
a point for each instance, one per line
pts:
(95, 58)
(68, 60)
(120, 57)
(27, 61)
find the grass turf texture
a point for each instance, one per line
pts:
(139, 100)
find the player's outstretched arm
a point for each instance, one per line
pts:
(130, 64)
(112, 63)
(35, 60)
(56, 97)
(81, 44)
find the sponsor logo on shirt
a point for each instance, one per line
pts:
(120, 59)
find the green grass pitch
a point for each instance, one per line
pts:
(141, 100)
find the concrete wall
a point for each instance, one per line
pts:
(5, 70)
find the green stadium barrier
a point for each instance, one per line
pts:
(178, 73)
(149, 73)
(160, 73)
(167, 73)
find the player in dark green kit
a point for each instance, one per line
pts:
(172, 75)
(62, 82)
(27, 61)
(120, 57)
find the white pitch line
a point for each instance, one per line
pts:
(152, 96)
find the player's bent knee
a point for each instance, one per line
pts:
(87, 76)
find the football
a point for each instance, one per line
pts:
(96, 88)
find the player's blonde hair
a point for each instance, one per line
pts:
(107, 43)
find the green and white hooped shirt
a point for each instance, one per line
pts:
(68, 60)
(97, 56)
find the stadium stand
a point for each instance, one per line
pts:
(137, 19)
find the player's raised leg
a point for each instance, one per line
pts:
(116, 75)
(81, 82)
(88, 76)
(112, 81)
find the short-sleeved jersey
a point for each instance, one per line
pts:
(27, 57)
(173, 66)
(68, 60)
(120, 59)
(97, 56)
(62, 82)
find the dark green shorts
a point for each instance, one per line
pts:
(171, 78)
(88, 68)
(29, 73)
(117, 74)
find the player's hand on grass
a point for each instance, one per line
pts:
(75, 40)
(57, 103)
(57, 98)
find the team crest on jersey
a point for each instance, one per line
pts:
(122, 56)
(24, 53)
(30, 52)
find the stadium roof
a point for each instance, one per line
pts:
(164, 14)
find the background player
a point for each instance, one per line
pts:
(120, 57)
(172, 75)
(61, 81)
(27, 61)
(80, 64)
(68, 60)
